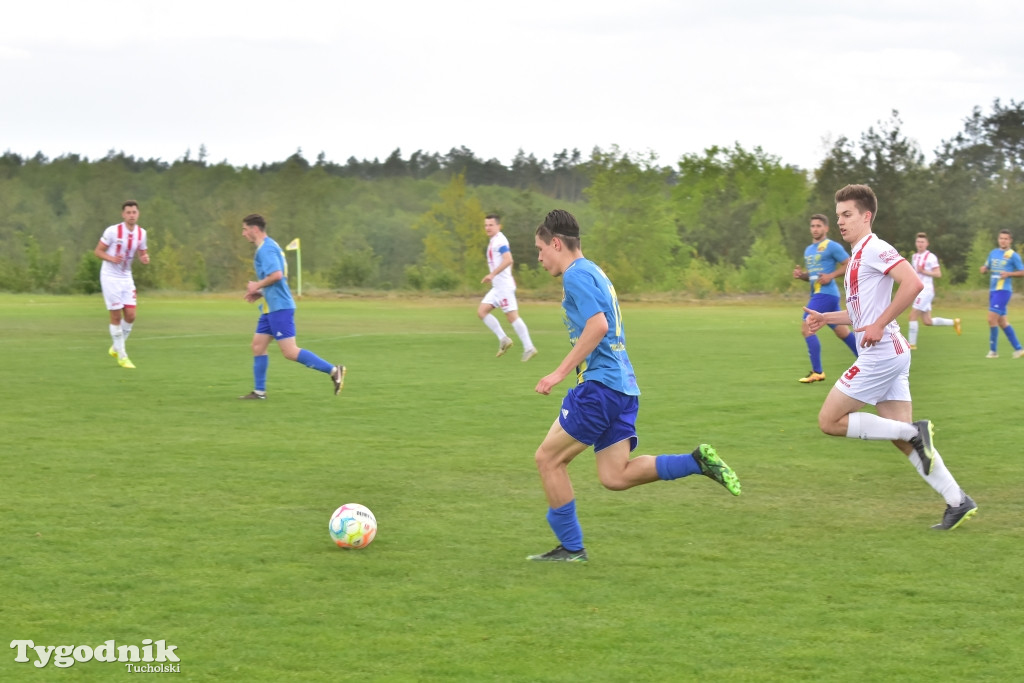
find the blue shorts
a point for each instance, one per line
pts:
(278, 324)
(823, 303)
(598, 416)
(998, 300)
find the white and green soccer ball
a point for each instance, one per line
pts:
(352, 526)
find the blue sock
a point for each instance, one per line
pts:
(311, 360)
(1012, 336)
(259, 371)
(566, 525)
(851, 341)
(676, 466)
(993, 338)
(814, 349)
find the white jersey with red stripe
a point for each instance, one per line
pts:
(925, 260)
(869, 293)
(121, 241)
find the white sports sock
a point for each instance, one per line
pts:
(912, 337)
(126, 329)
(524, 334)
(942, 322)
(494, 326)
(939, 478)
(118, 337)
(874, 428)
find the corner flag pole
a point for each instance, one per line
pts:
(296, 246)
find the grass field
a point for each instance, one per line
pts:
(153, 504)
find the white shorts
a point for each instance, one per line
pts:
(923, 302)
(118, 292)
(873, 380)
(505, 299)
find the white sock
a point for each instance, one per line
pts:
(874, 428)
(118, 337)
(524, 334)
(494, 326)
(913, 332)
(942, 322)
(939, 478)
(126, 329)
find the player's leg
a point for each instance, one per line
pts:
(511, 311)
(260, 360)
(865, 383)
(1004, 323)
(914, 324)
(282, 324)
(931, 467)
(483, 311)
(813, 353)
(847, 336)
(112, 299)
(552, 458)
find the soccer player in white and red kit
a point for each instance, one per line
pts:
(118, 246)
(503, 291)
(926, 265)
(881, 375)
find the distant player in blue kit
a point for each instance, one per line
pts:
(277, 313)
(825, 261)
(600, 410)
(1003, 263)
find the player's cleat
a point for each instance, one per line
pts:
(956, 326)
(504, 345)
(955, 516)
(1018, 353)
(253, 396)
(528, 354)
(560, 554)
(125, 363)
(338, 377)
(813, 376)
(713, 466)
(112, 352)
(913, 347)
(922, 443)
(992, 354)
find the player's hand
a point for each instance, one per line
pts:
(798, 274)
(487, 278)
(873, 334)
(984, 270)
(1003, 275)
(815, 321)
(825, 278)
(546, 384)
(252, 287)
(144, 257)
(117, 259)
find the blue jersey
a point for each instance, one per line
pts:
(587, 291)
(1000, 260)
(821, 258)
(269, 259)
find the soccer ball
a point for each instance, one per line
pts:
(352, 526)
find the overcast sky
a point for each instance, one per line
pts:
(254, 81)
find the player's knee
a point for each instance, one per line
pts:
(614, 482)
(829, 425)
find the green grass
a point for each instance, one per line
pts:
(153, 504)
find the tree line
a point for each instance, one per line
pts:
(726, 220)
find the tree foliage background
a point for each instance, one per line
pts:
(727, 220)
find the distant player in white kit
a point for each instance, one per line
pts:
(503, 291)
(881, 375)
(926, 265)
(118, 247)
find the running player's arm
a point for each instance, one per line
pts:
(909, 285)
(592, 334)
(101, 251)
(1015, 261)
(254, 287)
(816, 320)
(839, 272)
(506, 261)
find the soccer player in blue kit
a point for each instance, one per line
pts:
(825, 260)
(277, 313)
(600, 410)
(1003, 263)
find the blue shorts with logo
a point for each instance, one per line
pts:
(278, 324)
(598, 416)
(998, 300)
